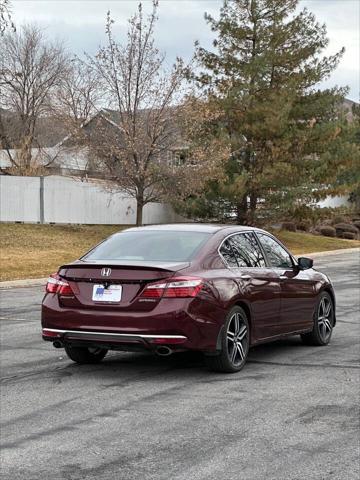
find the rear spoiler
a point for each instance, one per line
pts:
(131, 271)
(130, 264)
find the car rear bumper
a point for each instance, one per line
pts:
(112, 340)
(181, 325)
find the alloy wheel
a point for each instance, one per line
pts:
(325, 322)
(237, 339)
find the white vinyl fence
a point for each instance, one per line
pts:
(56, 199)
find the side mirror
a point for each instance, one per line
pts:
(305, 263)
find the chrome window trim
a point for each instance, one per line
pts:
(281, 245)
(255, 232)
(239, 233)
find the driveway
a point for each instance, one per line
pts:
(292, 413)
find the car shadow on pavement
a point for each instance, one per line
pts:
(182, 363)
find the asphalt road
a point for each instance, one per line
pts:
(292, 413)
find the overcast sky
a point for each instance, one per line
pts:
(80, 23)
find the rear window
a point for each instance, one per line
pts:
(160, 246)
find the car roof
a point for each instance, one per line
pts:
(191, 227)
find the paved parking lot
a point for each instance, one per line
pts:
(292, 413)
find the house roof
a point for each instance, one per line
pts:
(109, 122)
(48, 132)
(51, 131)
(53, 157)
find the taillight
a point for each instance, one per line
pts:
(52, 283)
(57, 285)
(180, 287)
(64, 288)
(154, 290)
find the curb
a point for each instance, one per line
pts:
(327, 253)
(35, 282)
(30, 282)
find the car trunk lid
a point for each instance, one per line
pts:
(130, 276)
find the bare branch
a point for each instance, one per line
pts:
(5, 17)
(31, 69)
(143, 94)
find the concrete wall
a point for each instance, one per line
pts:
(68, 200)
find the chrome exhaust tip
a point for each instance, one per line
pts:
(163, 351)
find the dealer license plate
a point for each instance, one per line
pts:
(110, 294)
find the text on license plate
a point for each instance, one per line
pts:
(110, 294)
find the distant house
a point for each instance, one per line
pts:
(48, 149)
(347, 109)
(61, 153)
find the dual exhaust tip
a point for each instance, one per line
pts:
(162, 351)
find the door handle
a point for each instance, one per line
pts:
(245, 277)
(283, 277)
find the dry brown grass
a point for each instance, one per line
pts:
(33, 251)
(299, 242)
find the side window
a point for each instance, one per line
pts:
(277, 255)
(247, 250)
(228, 254)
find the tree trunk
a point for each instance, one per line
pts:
(139, 211)
(253, 204)
(241, 211)
(27, 143)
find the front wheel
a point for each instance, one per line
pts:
(235, 343)
(323, 322)
(85, 355)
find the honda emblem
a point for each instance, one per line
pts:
(105, 272)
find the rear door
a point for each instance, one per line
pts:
(298, 296)
(258, 284)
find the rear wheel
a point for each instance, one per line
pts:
(235, 344)
(84, 354)
(323, 322)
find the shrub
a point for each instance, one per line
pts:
(327, 231)
(345, 227)
(290, 226)
(349, 235)
(338, 219)
(357, 224)
(303, 226)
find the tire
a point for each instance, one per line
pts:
(323, 322)
(85, 355)
(234, 343)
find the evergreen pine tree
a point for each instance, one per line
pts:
(282, 131)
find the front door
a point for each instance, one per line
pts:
(298, 296)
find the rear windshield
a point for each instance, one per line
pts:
(161, 246)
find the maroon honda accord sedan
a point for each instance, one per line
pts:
(168, 288)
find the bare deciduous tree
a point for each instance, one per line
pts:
(31, 68)
(5, 17)
(78, 94)
(136, 85)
